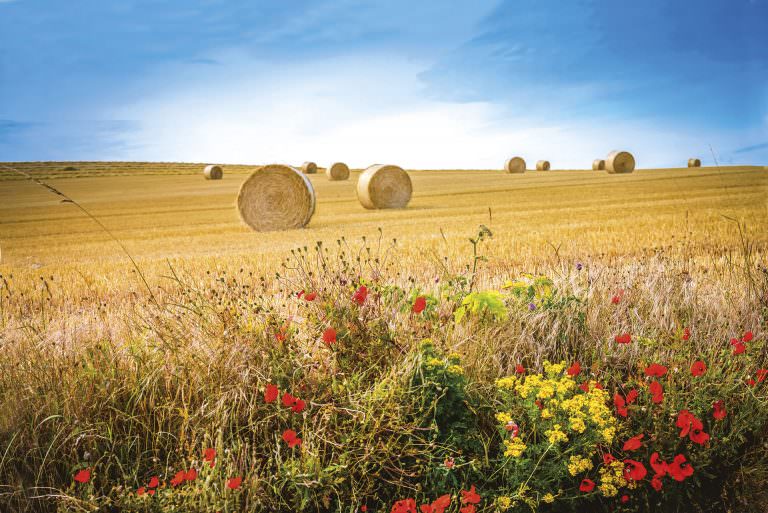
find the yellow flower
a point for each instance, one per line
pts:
(515, 448)
(434, 362)
(546, 414)
(503, 417)
(504, 502)
(577, 424)
(556, 435)
(578, 464)
(548, 498)
(507, 383)
(455, 370)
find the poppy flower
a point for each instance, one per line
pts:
(751, 382)
(288, 400)
(761, 375)
(234, 483)
(209, 455)
(280, 335)
(691, 426)
(632, 396)
(151, 492)
(470, 496)
(178, 478)
(634, 443)
(360, 295)
(624, 499)
(686, 333)
(587, 485)
(404, 506)
(512, 428)
(329, 336)
(298, 406)
(310, 297)
(438, 505)
(83, 476)
(655, 369)
(271, 393)
(634, 470)
(154, 482)
(738, 346)
(449, 463)
(363, 508)
(656, 482)
(419, 304)
(658, 465)
(719, 411)
(624, 338)
(190, 475)
(141, 491)
(584, 386)
(620, 404)
(574, 369)
(748, 336)
(608, 459)
(698, 368)
(469, 508)
(519, 369)
(657, 392)
(616, 300)
(289, 437)
(680, 469)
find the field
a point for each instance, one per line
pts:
(124, 361)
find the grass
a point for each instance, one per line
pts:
(96, 375)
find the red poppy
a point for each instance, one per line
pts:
(449, 463)
(141, 491)
(620, 404)
(438, 505)
(190, 475)
(363, 508)
(311, 296)
(634, 443)
(329, 336)
(679, 469)
(469, 508)
(698, 368)
(686, 333)
(289, 437)
(659, 466)
(761, 375)
(624, 499)
(748, 336)
(519, 369)
(585, 386)
(470, 496)
(271, 393)
(624, 338)
(657, 392)
(719, 411)
(574, 369)
(210, 456)
(751, 382)
(404, 506)
(655, 369)
(154, 482)
(656, 482)
(151, 492)
(632, 396)
(234, 483)
(288, 400)
(83, 476)
(634, 470)
(616, 300)
(280, 335)
(298, 406)
(587, 485)
(419, 304)
(608, 459)
(691, 426)
(360, 295)
(738, 346)
(178, 478)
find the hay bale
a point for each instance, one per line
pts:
(515, 165)
(213, 172)
(542, 165)
(618, 162)
(694, 163)
(276, 197)
(598, 165)
(309, 168)
(337, 171)
(384, 186)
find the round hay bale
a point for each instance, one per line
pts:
(337, 171)
(542, 165)
(309, 168)
(213, 172)
(384, 186)
(276, 197)
(694, 163)
(515, 165)
(598, 165)
(618, 162)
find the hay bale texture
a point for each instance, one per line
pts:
(694, 163)
(309, 168)
(542, 165)
(213, 172)
(619, 162)
(384, 186)
(598, 165)
(337, 171)
(515, 165)
(276, 197)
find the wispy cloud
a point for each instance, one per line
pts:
(754, 147)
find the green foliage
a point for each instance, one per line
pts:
(488, 304)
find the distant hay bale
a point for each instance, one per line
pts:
(542, 165)
(694, 163)
(618, 162)
(598, 165)
(309, 168)
(515, 165)
(384, 186)
(337, 171)
(213, 172)
(276, 197)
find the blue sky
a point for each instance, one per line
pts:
(422, 84)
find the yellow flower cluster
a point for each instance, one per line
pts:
(556, 435)
(591, 406)
(456, 370)
(612, 478)
(433, 363)
(514, 447)
(503, 502)
(548, 498)
(503, 417)
(507, 383)
(578, 464)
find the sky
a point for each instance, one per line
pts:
(423, 84)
